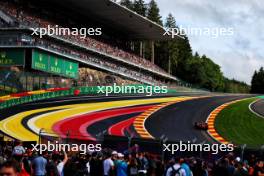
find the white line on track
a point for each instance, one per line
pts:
(254, 112)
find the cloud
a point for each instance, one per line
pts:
(238, 55)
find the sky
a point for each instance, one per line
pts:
(240, 54)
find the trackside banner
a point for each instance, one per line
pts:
(12, 57)
(54, 64)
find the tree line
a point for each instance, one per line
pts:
(257, 83)
(177, 57)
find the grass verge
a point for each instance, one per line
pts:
(237, 124)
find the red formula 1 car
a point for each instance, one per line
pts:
(201, 125)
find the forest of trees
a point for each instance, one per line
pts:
(257, 83)
(177, 57)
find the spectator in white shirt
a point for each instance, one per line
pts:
(61, 164)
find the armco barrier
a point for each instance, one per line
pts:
(93, 90)
(88, 90)
(26, 97)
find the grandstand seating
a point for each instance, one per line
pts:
(32, 19)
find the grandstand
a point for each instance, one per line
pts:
(109, 56)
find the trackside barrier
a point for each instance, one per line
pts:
(27, 97)
(93, 90)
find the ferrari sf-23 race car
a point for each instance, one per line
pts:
(201, 125)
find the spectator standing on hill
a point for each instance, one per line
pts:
(186, 167)
(51, 166)
(142, 164)
(114, 159)
(108, 165)
(96, 164)
(259, 169)
(18, 151)
(220, 168)
(160, 166)
(231, 168)
(9, 168)
(39, 164)
(121, 166)
(132, 168)
(240, 171)
(176, 169)
(61, 164)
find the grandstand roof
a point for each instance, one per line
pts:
(109, 13)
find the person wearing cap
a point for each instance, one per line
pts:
(121, 165)
(114, 157)
(238, 159)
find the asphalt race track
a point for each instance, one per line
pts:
(86, 117)
(176, 122)
(258, 107)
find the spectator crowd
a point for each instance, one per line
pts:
(30, 19)
(33, 18)
(18, 161)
